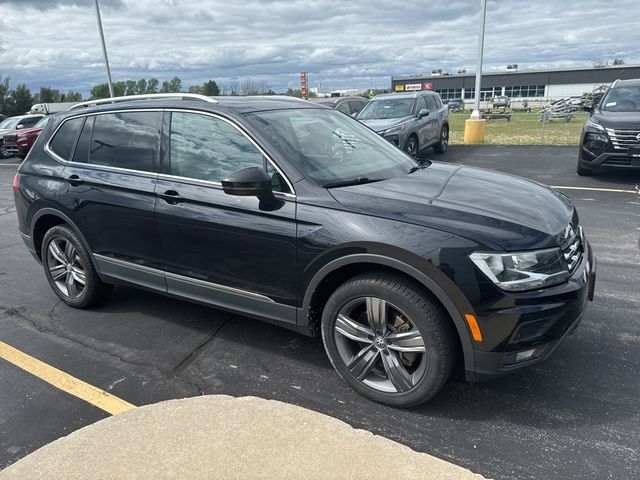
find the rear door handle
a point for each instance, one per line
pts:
(172, 197)
(74, 180)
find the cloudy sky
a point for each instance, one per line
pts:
(341, 43)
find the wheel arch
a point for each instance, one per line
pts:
(336, 272)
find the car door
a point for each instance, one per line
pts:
(422, 126)
(110, 192)
(432, 129)
(230, 251)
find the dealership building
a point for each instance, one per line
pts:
(524, 85)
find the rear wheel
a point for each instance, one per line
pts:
(3, 151)
(388, 340)
(443, 144)
(69, 269)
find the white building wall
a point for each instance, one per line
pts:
(554, 92)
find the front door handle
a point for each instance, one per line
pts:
(172, 197)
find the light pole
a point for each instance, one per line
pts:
(104, 50)
(475, 115)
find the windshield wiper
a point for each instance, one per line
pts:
(353, 181)
(415, 168)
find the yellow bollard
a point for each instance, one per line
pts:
(475, 131)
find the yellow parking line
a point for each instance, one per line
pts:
(595, 189)
(65, 382)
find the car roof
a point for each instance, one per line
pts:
(238, 104)
(631, 81)
(29, 115)
(334, 100)
(384, 96)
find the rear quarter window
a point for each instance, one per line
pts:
(65, 138)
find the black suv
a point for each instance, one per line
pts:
(300, 215)
(611, 135)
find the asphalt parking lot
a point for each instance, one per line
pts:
(574, 416)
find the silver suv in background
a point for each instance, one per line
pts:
(412, 121)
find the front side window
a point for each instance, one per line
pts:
(208, 148)
(330, 147)
(65, 137)
(9, 123)
(29, 121)
(128, 140)
(344, 108)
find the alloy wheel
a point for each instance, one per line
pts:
(412, 147)
(380, 345)
(66, 267)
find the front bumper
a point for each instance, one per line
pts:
(616, 159)
(539, 322)
(15, 150)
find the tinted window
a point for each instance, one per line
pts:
(82, 148)
(208, 148)
(357, 106)
(29, 122)
(431, 103)
(126, 140)
(343, 107)
(422, 103)
(63, 141)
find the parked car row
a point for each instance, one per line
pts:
(11, 132)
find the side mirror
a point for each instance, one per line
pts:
(248, 182)
(19, 127)
(423, 112)
(588, 107)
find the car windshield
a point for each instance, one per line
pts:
(330, 147)
(42, 123)
(622, 99)
(9, 123)
(387, 108)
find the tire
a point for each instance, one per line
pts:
(3, 151)
(443, 144)
(583, 172)
(67, 264)
(420, 328)
(413, 146)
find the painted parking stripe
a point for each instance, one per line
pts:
(595, 189)
(10, 164)
(63, 381)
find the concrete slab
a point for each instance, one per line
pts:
(232, 438)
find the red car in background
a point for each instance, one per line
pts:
(18, 143)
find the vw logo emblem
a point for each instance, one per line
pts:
(380, 343)
(638, 137)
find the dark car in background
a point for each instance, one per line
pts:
(18, 143)
(610, 137)
(456, 105)
(413, 121)
(13, 124)
(349, 105)
(404, 269)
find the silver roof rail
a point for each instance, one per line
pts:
(149, 96)
(615, 82)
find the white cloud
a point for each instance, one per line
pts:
(341, 43)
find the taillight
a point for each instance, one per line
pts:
(16, 183)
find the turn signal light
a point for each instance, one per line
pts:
(16, 183)
(476, 334)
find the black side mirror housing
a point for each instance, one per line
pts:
(588, 107)
(423, 112)
(248, 182)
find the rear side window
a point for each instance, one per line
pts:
(29, 121)
(65, 138)
(431, 103)
(128, 140)
(81, 153)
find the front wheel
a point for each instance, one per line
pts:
(443, 143)
(388, 340)
(412, 147)
(3, 151)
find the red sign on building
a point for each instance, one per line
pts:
(428, 86)
(304, 90)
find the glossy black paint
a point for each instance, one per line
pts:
(423, 225)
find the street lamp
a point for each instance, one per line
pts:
(475, 115)
(104, 50)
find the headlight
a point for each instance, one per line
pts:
(395, 129)
(516, 272)
(591, 124)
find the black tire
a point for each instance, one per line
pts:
(404, 302)
(412, 146)
(443, 144)
(3, 151)
(72, 261)
(583, 172)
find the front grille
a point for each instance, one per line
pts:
(618, 161)
(574, 248)
(11, 138)
(624, 139)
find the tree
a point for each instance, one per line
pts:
(48, 95)
(172, 86)
(72, 96)
(100, 91)
(4, 94)
(130, 87)
(210, 88)
(21, 99)
(152, 85)
(195, 89)
(141, 86)
(294, 92)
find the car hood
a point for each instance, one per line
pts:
(629, 120)
(22, 131)
(498, 210)
(5, 130)
(381, 124)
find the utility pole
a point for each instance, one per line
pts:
(475, 115)
(104, 50)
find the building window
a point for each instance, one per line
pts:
(450, 93)
(470, 93)
(525, 91)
